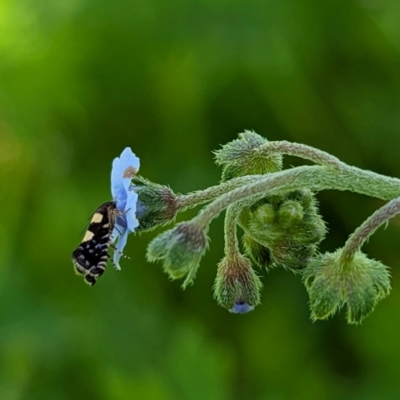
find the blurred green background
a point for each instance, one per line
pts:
(82, 79)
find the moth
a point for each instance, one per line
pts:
(90, 257)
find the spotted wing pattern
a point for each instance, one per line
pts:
(90, 258)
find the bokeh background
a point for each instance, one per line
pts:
(82, 79)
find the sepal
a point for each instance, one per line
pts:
(359, 283)
(156, 204)
(258, 254)
(180, 249)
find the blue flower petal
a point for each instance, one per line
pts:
(117, 188)
(129, 166)
(123, 169)
(241, 307)
(130, 211)
(121, 234)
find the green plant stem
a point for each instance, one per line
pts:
(316, 178)
(367, 228)
(196, 198)
(230, 232)
(303, 151)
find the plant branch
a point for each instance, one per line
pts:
(368, 227)
(316, 178)
(303, 151)
(193, 199)
(198, 197)
(230, 232)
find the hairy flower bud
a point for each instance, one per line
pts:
(262, 216)
(289, 226)
(242, 157)
(258, 254)
(290, 213)
(180, 249)
(359, 283)
(156, 204)
(237, 287)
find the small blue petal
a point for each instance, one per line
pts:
(241, 307)
(130, 211)
(129, 166)
(121, 222)
(123, 169)
(117, 188)
(121, 234)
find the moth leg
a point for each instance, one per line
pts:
(112, 245)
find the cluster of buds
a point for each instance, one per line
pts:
(278, 214)
(283, 230)
(279, 230)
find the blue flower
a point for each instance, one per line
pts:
(124, 168)
(241, 307)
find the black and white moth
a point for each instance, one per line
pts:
(90, 257)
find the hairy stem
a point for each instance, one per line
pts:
(196, 198)
(303, 151)
(368, 227)
(316, 178)
(230, 232)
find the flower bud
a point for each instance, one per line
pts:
(359, 283)
(263, 216)
(292, 255)
(289, 226)
(237, 287)
(258, 254)
(156, 204)
(290, 213)
(159, 246)
(242, 157)
(260, 217)
(180, 249)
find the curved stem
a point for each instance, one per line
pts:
(368, 227)
(316, 178)
(198, 197)
(303, 151)
(230, 233)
